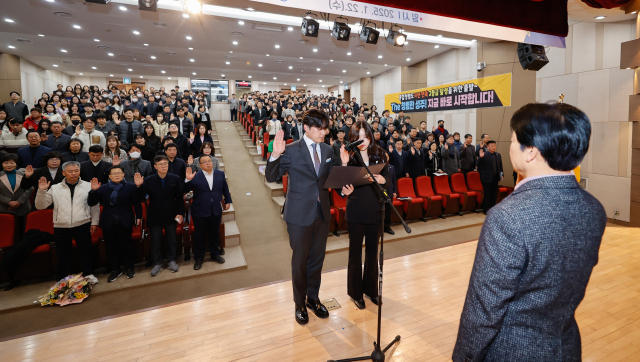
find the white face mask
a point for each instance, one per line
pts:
(134, 154)
(134, 99)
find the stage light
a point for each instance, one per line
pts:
(341, 31)
(102, 2)
(192, 6)
(368, 34)
(148, 5)
(396, 38)
(309, 25)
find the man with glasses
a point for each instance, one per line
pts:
(208, 186)
(165, 212)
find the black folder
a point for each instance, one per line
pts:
(341, 176)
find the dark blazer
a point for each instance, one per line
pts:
(468, 157)
(392, 185)
(363, 205)
(415, 163)
(485, 166)
(535, 255)
(184, 148)
(179, 168)
(62, 141)
(126, 204)
(78, 157)
(304, 185)
(197, 143)
(398, 161)
(164, 202)
(88, 171)
(258, 114)
(206, 201)
(26, 159)
(28, 182)
(295, 133)
(450, 159)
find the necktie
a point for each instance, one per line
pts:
(316, 159)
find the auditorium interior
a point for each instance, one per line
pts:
(245, 72)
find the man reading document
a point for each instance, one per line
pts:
(306, 210)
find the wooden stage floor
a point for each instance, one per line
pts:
(424, 297)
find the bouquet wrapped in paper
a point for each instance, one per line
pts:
(70, 290)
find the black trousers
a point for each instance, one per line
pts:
(118, 235)
(63, 238)
(156, 242)
(357, 282)
(387, 214)
(206, 228)
(490, 194)
(234, 115)
(467, 170)
(309, 244)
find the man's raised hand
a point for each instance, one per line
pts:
(138, 179)
(190, 174)
(43, 184)
(28, 172)
(95, 185)
(279, 144)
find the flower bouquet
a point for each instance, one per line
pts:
(70, 290)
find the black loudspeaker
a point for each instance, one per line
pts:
(148, 5)
(532, 57)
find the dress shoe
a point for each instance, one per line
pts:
(218, 259)
(317, 308)
(197, 265)
(302, 317)
(373, 300)
(388, 230)
(221, 251)
(359, 303)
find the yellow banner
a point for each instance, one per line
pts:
(486, 92)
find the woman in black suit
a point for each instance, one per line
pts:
(432, 160)
(363, 216)
(201, 136)
(202, 117)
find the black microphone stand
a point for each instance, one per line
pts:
(378, 354)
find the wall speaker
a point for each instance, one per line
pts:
(532, 57)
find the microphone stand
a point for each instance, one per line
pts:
(378, 354)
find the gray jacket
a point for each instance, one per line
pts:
(233, 102)
(534, 258)
(144, 168)
(450, 159)
(17, 194)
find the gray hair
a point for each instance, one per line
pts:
(70, 163)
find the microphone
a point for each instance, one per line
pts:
(353, 145)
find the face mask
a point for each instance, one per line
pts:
(134, 154)
(75, 122)
(134, 99)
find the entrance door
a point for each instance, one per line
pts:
(126, 87)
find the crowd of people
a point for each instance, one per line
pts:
(95, 155)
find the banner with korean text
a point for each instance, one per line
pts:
(486, 92)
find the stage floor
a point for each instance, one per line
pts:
(424, 294)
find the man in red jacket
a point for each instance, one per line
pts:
(33, 121)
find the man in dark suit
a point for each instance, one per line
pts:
(415, 160)
(209, 186)
(297, 129)
(165, 212)
(33, 154)
(306, 210)
(57, 140)
(537, 248)
(467, 155)
(392, 190)
(490, 169)
(259, 114)
(95, 167)
(176, 166)
(398, 158)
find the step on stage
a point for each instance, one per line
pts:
(424, 297)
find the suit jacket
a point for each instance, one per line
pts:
(398, 161)
(304, 185)
(363, 205)
(164, 202)
(415, 163)
(17, 194)
(179, 168)
(88, 171)
(36, 161)
(62, 141)
(258, 114)
(295, 132)
(78, 157)
(143, 167)
(29, 182)
(206, 201)
(450, 159)
(485, 166)
(392, 185)
(535, 255)
(468, 157)
(126, 203)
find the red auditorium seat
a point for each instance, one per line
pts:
(43, 257)
(285, 183)
(333, 222)
(290, 140)
(399, 205)
(7, 233)
(469, 198)
(413, 209)
(451, 201)
(340, 205)
(432, 202)
(474, 184)
(503, 191)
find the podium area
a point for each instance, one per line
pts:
(424, 295)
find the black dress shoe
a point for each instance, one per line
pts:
(218, 259)
(373, 300)
(359, 303)
(221, 251)
(197, 265)
(388, 230)
(317, 308)
(302, 317)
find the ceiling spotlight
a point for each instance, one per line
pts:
(368, 72)
(140, 76)
(368, 34)
(249, 77)
(55, 65)
(234, 42)
(96, 40)
(290, 28)
(349, 53)
(63, 50)
(192, 60)
(323, 86)
(250, 9)
(264, 82)
(298, 79)
(40, 34)
(437, 46)
(189, 38)
(136, 32)
(285, 84)
(309, 26)
(318, 69)
(259, 65)
(145, 44)
(277, 46)
(315, 50)
(340, 82)
(194, 73)
(600, 17)
(111, 75)
(8, 20)
(267, 54)
(192, 49)
(222, 75)
(379, 56)
(396, 38)
(408, 59)
(80, 74)
(11, 47)
(301, 58)
(344, 71)
(290, 67)
(169, 78)
(192, 6)
(304, 85)
(148, 5)
(162, 71)
(123, 8)
(153, 57)
(359, 62)
(340, 30)
(331, 60)
(241, 22)
(320, 80)
(186, 16)
(94, 68)
(274, 78)
(131, 70)
(227, 63)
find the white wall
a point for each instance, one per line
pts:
(385, 83)
(355, 92)
(36, 80)
(101, 82)
(588, 73)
